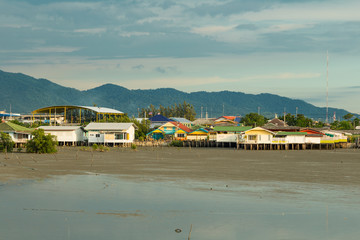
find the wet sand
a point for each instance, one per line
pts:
(337, 167)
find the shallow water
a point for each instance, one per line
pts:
(108, 207)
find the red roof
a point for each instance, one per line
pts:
(181, 126)
(311, 131)
(231, 118)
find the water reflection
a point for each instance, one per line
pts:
(106, 207)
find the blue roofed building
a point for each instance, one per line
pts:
(158, 120)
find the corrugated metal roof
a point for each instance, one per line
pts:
(60, 109)
(60, 128)
(231, 128)
(291, 133)
(108, 126)
(9, 127)
(181, 120)
(102, 110)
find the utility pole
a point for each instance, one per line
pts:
(258, 110)
(201, 111)
(223, 109)
(327, 86)
(284, 114)
(296, 112)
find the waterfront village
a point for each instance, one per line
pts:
(86, 126)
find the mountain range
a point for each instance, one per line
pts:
(25, 94)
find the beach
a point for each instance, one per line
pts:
(337, 167)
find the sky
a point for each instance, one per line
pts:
(250, 46)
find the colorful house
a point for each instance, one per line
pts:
(198, 135)
(334, 136)
(258, 135)
(174, 130)
(313, 136)
(19, 134)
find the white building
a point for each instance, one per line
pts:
(66, 135)
(290, 137)
(19, 134)
(110, 133)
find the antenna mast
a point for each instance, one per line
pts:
(327, 86)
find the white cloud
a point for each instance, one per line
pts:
(50, 49)
(309, 11)
(133, 34)
(210, 30)
(91, 30)
(286, 27)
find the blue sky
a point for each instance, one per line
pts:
(250, 46)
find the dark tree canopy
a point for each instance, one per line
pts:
(254, 119)
(184, 110)
(41, 142)
(6, 143)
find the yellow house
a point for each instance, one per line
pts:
(180, 135)
(199, 134)
(258, 135)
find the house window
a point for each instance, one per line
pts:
(91, 135)
(97, 135)
(252, 137)
(181, 135)
(119, 136)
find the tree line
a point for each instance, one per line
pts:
(299, 120)
(184, 110)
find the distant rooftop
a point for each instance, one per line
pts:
(181, 120)
(12, 127)
(60, 109)
(108, 126)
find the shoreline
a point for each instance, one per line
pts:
(336, 167)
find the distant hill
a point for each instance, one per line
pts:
(25, 94)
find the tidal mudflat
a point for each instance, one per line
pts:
(150, 193)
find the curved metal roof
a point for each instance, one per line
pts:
(60, 109)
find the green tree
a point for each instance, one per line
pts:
(142, 128)
(41, 143)
(343, 125)
(319, 124)
(300, 120)
(253, 119)
(6, 143)
(348, 116)
(356, 122)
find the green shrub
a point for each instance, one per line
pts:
(133, 146)
(41, 142)
(94, 147)
(6, 143)
(176, 143)
(102, 148)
